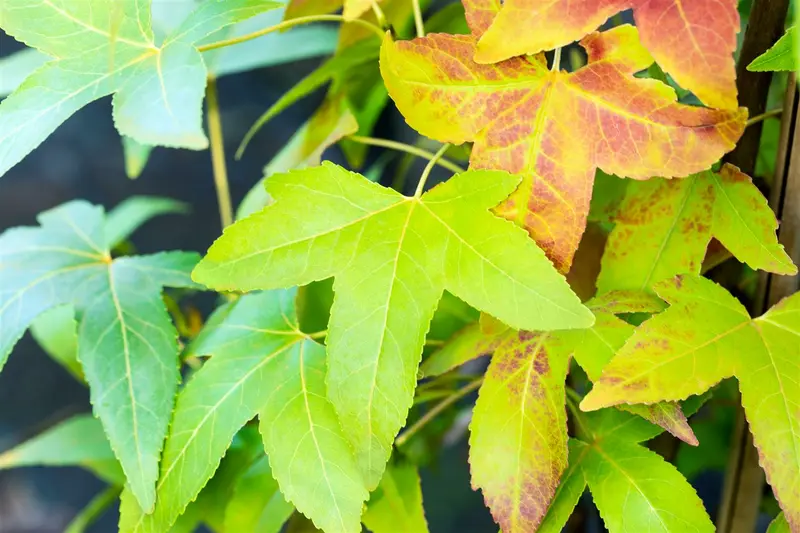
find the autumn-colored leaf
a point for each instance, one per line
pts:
(705, 336)
(693, 41)
(518, 442)
(664, 227)
(522, 118)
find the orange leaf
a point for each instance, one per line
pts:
(692, 40)
(554, 128)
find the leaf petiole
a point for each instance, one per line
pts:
(218, 155)
(427, 170)
(407, 148)
(289, 24)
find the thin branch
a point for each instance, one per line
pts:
(418, 18)
(218, 155)
(317, 335)
(289, 24)
(94, 510)
(427, 170)
(763, 116)
(436, 410)
(379, 16)
(407, 148)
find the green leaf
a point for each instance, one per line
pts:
(16, 67)
(782, 56)
(569, 491)
(56, 331)
(78, 441)
(126, 341)
(663, 228)
(779, 525)
(108, 48)
(130, 214)
(391, 256)
(329, 123)
(257, 505)
(396, 505)
(136, 156)
(706, 335)
(350, 58)
(518, 433)
(636, 490)
(261, 364)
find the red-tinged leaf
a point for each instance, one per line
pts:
(693, 41)
(664, 227)
(522, 117)
(518, 441)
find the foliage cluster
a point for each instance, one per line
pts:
(573, 250)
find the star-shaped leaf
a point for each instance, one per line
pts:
(391, 256)
(693, 41)
(103, 48)
(261, 364)
(663, 228)
(126, 341)
(633, 488)
(518, 444)
(782, 56)
(705, 336)
(257, 504)
(522, 116)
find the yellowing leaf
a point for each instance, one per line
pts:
(518, 433)
(693, 41)
(705, 336)
(663, 228)
(554, 128)
(391, 256)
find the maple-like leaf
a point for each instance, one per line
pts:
(518, 444)
(705, 336)
(693, 41)
(396, 505)
(261, 364)
(103, 48)
(522, 118)
(392, 256)
(126, 341)
(633, 488)
(664, 227)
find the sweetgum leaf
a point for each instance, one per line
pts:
(521, 116)
(569, 491)
(396, 505)
(663, 228)
(694, 41)
(637, 490)
(782, 56)
(257, 505)
(78, 441)
(779, 525)
(126, 341)
(104, 48)
(518, 433)
(705, 336)
(16, 67)
(261, 364)
(391, 256)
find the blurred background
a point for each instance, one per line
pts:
(84, 159)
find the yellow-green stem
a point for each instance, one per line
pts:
(92, 512)
(427, 170)
(409, 149)
(772, 113)
(218, 155)
(289, 24)
(556, 60)
(418, 18)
